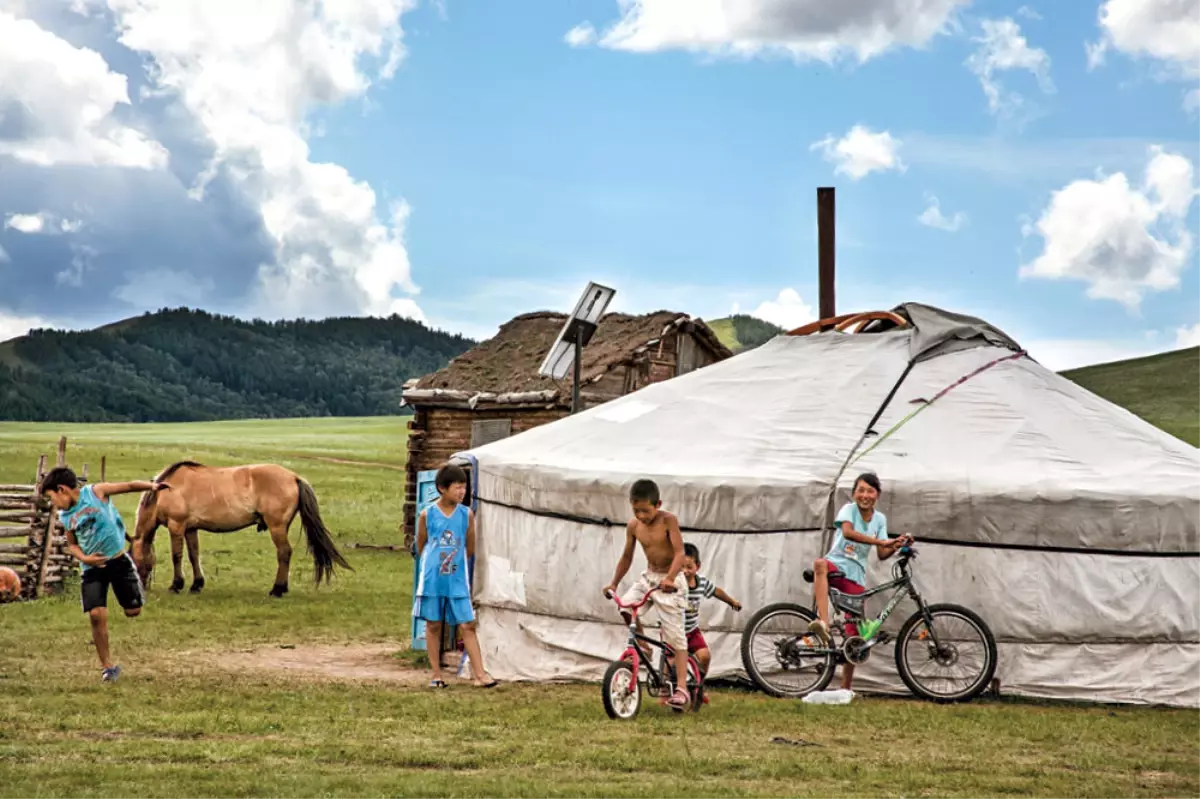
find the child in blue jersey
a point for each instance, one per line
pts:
(860, 528)
(96, 537)
(445, 541)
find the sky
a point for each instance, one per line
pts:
(1033, 163)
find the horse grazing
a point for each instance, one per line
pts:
(226, 499)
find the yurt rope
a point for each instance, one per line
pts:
(925, 405)
(854, 455)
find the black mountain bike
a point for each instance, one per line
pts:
(944, 652)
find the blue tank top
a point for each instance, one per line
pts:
(444, 559)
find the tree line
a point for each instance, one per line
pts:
(188, 365)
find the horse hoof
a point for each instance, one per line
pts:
(196, 586)
(176, 586)
(279, 590)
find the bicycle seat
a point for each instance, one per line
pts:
(808, 574)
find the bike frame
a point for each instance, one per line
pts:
(633, 652)
(903, 585)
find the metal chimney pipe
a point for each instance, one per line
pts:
(825, 251)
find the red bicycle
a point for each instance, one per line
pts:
(622, 688)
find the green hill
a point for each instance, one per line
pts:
(1162, 389)
(742, 332)
(184, 365)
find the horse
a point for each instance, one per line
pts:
(224, 500)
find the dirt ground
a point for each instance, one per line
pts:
(376, 662)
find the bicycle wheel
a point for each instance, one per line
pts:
(621, 691)
(778, 652)
(966, 653)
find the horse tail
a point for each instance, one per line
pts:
(320, 544)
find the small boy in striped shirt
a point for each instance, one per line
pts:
(699, 588)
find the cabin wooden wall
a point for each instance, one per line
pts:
(437, 433)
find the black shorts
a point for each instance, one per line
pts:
(121, 574)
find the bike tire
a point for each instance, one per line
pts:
(614, 708)
(914, 684)
(751, 667)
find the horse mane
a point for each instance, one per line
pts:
(149, 496)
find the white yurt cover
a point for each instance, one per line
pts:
(1067, 522)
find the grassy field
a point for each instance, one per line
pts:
(212, 702)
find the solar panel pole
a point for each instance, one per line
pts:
(576, 333)
(575, 377)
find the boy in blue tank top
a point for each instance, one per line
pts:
(445, 541)
(96, 537)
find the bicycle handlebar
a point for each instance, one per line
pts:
(632, 606)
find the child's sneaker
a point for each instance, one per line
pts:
(820, 629)
(110, 674)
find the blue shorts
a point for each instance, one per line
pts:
(453, 611)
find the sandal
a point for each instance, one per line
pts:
(491, 684)
(679, 698)
(437, 683)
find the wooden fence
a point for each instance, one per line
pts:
(27, 523)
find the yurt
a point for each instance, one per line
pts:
(1066, 522)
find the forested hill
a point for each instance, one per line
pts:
(185, 365)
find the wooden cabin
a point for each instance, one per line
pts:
(494, 390)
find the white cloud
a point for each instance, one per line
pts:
(861, 152)
(581, 35)
(823, 31)
(1120, 240)
(249, 75)
(42, 222)
(787, 310)
(1187, 336)
(57, 103)
(1002, 48)
(1070, 353)
(1165, 30)
(1191, 101)
(933, 217)
(25, 223)
(1028, 13)
(14, 325)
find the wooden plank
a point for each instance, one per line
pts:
(18, 515)
(11, 531)
(47, 539)
(7, 559)
(21, 488)
(21, 547)
(62, 451)
(103, 467)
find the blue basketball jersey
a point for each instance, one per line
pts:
(444, 559)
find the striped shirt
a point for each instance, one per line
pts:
(703, 589)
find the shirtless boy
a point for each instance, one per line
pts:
(662, 543)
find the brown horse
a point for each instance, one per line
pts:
(225, 499)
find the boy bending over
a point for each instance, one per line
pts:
(662, 544)
(96, 538)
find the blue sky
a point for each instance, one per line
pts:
(469, 162)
